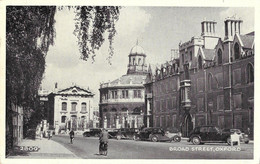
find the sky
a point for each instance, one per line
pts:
(157, 29)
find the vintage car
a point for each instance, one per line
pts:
(242, 136)
(157, 134)
(173, 133)
(112, 133)
(209, 134)
(92, 132)
(125, 133)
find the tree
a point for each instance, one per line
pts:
(29, 33)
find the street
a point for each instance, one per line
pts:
(87, 148)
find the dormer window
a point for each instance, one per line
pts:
(250, 73)
(200, 62)
(219, 57)
(236, 51)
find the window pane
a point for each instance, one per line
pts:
(237, 76)
(64, 106)
(200, 104)
(200, 85)
(237, 101)
(73, 106)
(83, 107)
(220, 102)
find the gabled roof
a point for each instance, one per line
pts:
(75, 90)
(247, 40)
(209, 54)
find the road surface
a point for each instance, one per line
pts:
(87, 148)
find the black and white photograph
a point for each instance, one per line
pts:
(167, 82)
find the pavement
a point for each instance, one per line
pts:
(47, 149)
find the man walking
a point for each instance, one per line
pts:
(103, 141)
(71, 136)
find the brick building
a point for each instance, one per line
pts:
(212, 82)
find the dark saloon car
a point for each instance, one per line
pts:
(112, 133)
(208, 134)
(92, 132)
(155, 135)
(242, 136)
(126, 133)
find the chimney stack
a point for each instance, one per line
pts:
(232, 26)
(208, 28)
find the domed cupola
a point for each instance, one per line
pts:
(137, 50)
(137, 63)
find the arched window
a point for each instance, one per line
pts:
(200, 62)
(133, 61)
(64, 106)
(250, 73)
(73, 106)
(219, 56)
(190, 56)
(63, 119)
(83, 107)
(182, 58)
(139, 61)
(210, 82)
(236, 51)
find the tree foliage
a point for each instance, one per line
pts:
(29, 33)
(91, 24)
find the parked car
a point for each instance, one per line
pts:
(173, 133)
(125, 133)
(112, 133)
(92, 132)
(242, 136)
(208, 134)
(156, 134)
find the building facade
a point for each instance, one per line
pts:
(69, 108)
(214, 82)
(122, 101)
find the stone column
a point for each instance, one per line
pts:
(117, 122)
(205, 28)
(135, 122)
(148, 121)
(105, 122)
(71, 122)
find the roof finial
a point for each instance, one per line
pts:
(137, 42)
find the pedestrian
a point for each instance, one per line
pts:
(103, 142)
(49, 134)
(40, 134)
(71, 136)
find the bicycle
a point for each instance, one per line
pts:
(103, 148)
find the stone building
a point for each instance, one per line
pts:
(122, 100)
(69, 108)
(214, 82)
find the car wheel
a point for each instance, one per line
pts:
(154, 139)
(136, 138)
(229, 141)
(84, 135)
(118, 137)
(246, 142)
(177, 138)
(196, 140)
(96, 135)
